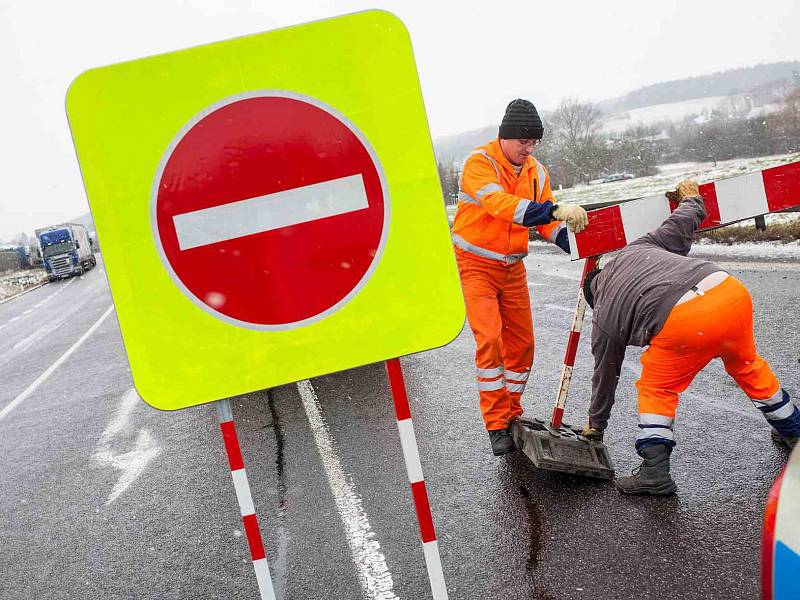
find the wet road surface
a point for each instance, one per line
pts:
(102, 496)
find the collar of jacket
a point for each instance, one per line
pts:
(496, 152)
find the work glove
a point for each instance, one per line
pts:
(574, 215)
(686, 189)
(592, 433)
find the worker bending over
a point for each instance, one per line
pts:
(689, 311)
(503, 192)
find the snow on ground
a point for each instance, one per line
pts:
(765, 250)
(668, 176)
(17, 282)
(649, 115)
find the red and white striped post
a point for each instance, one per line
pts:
(572, 348)
(408, 441)
(243, 495)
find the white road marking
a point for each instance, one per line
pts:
(133, 463)
(44, 376)
(373, 573)
(570, 310)
(271, 211)
(38, 304)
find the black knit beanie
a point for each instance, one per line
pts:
(521, 122)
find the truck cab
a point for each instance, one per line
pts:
(66, 250)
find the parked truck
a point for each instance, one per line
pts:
(66, 249)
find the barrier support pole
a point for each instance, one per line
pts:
(408, 441)
(245, 498)
(572, 347)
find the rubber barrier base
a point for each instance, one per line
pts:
(561, 449)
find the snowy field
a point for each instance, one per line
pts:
(16, 282)
(667, 177)
(675, 112)
(658, 113)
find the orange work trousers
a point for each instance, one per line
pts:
(718, 324)
(499, 314)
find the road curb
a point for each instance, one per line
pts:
(23, 292)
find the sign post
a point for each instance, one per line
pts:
(270, 211)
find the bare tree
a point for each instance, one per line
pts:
(575, 121)
(579, 151)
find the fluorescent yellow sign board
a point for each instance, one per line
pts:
(268, 207)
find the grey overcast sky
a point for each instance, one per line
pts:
(473, 57)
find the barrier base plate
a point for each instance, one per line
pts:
(562, 449)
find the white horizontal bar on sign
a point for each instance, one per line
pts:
(643, 216)
(272, 211)
(741, 197)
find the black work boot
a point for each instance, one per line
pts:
(789, 441)
(502, 442)
(652, 476)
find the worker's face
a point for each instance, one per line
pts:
(516, 151)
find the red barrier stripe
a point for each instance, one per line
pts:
(558, 415)
(395, 373)
(782, 186)
(420, 493)
(572, 348)
(605, 229)
(253, 537)
(709, 193)
(232, 445)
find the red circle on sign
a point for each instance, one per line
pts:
(270, 210)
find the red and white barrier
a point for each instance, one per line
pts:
(243, 495)
(727, 201)
(572, 348)
(408, 441)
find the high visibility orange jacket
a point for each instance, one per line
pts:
(496, 206)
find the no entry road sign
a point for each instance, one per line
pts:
(285, 232)
(269, 208)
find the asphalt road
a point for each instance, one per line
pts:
(104, 497)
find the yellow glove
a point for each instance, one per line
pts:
(574, 215)
(686, 189)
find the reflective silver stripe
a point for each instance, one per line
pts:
(542, 174)
(508, 259)
(659, 432)
(653, 419)
(491, 161)
(465, 197)
(555, 232)
(496, 372)
(517, 376)
(491, 386)
(515, 387)
(784, 412)
(519, 213)
(776, 398)
(488, 189)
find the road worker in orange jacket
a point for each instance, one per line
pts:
(503, 192)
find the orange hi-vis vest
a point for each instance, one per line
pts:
(492, 201)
